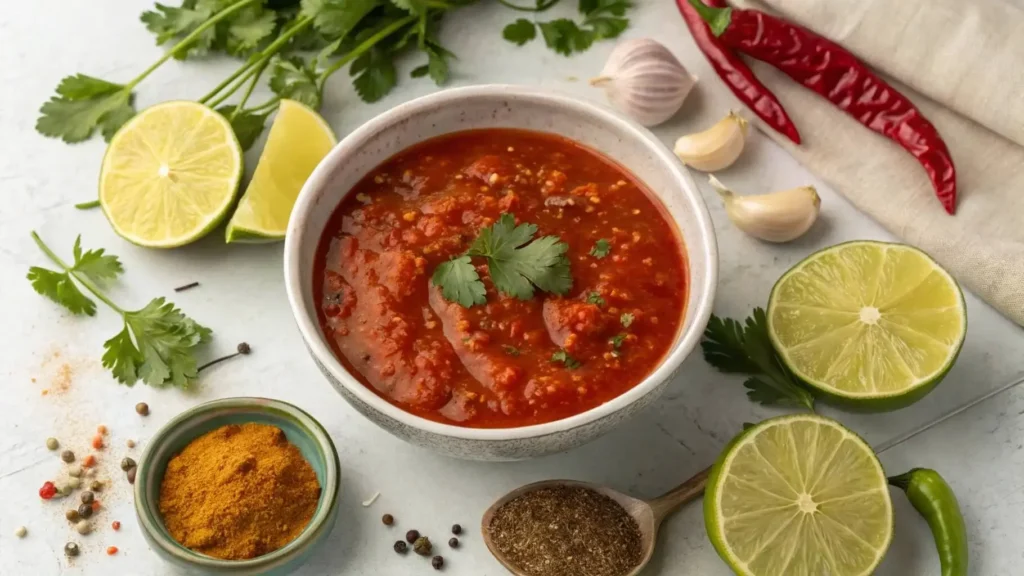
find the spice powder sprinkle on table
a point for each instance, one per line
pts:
(567, 530)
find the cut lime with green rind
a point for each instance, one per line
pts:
(298, 140)
(799, 495)
(170, 174)
(870, 326)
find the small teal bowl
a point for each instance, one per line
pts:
(300, 428)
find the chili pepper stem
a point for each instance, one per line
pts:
(718, 19)
(903, 480)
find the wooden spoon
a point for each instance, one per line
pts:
(648, 514)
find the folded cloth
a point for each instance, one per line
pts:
(962, 63)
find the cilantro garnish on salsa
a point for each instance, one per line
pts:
(500, 278)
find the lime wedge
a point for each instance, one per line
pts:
(170, 174)
(799, 496)
(870, 325)
(298, 141)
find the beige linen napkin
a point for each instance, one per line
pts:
(962, 63)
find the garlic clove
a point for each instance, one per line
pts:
(645, 81)
(776, 217)
(715, 148)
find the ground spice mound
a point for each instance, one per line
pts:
(567, 531)
(238, 492)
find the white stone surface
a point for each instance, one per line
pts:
(242, 298)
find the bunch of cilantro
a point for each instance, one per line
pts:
(298, 45)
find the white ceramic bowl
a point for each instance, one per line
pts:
(499, 106)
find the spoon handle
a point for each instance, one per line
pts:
(668, 503)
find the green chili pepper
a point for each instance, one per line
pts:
(932, 497)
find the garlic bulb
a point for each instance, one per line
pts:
(776, 217)
(715, 148)
(645, 81)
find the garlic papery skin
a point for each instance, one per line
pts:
(715, 148)
(775, 217)
(643, 80)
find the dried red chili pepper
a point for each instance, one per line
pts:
(828, 69)
(736, 75)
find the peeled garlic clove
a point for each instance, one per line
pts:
(645, 81)
(715, 148)
(776, 217)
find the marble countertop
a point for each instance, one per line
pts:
(242, 297)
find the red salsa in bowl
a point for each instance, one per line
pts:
(500, 278)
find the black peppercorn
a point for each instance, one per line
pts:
(71, 549)
(456, 529)
(85, 510)
(437, 562)
(453, 542)
(244, 348)
(388, 519)
(411, 536)
(87, 497)
(67, 456)
(401, 547)
(127, 464)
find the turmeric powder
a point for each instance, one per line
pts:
(238, 492)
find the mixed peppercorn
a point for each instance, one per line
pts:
(421, 544)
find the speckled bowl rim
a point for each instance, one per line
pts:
(148, 512)
(349, 146)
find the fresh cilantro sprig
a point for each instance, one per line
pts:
(275, 38)
(156, 344)
(733, 347)
(601, 249)
(518, 264)
(602, 19)
(566, 360)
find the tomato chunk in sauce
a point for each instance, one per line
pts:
(507, 362)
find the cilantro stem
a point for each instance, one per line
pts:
(366, 45)
(71, 272)
(266, 105)
(190, 38)
(88, 205)
(249, 89)
(246, 71)
(538, 8)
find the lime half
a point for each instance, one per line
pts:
(799, 496)
(298, 141)
(170, 174)
(870, 325)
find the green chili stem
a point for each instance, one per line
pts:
(365, 46)
(247, 69)
(87, 205)
(71, 271)
(191, 38)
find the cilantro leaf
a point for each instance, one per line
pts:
(565, 37)
(606, 27)
(626, 319)
(83, 87)
(596, 7)
(520, 32)
(334, 19)
(61, 289)
(517, 269)
(595, 299)
(420, 71)
(375, 75)
(247, 125)
(158, 350)
(617, 340)
(437, 62)
(169, 23)
(249, 28)
(601, 249)
(510, 350)
(747, 349)
(96, 264)
(417, 7)
(459, 282)
(75, 119)
(293, 78)
(566, 360)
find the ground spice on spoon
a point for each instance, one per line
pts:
(567, 530)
